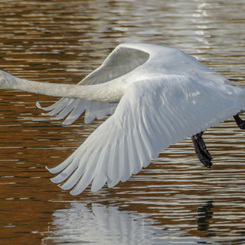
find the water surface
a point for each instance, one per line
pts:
(173, 201)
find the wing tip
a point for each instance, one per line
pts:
(38, 105)
(51, 170)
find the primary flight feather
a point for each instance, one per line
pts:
(157, 96)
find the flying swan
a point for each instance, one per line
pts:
(157, 96)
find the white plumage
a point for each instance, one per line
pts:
(157, 96)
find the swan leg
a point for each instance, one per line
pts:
(240, 123)
(201, 150)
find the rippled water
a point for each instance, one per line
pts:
(175, 200)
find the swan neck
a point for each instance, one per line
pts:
(100, 92)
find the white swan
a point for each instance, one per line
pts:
(157, 95)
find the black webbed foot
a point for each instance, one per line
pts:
(240, 123)
(201, 150)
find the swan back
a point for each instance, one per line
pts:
(135, 61)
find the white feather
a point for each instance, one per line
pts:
(150, 135)
(163, 96)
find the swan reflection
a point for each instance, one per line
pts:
(106, 224)
(204, 214)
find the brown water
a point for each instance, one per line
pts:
(175, 200)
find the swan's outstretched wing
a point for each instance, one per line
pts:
(121, 61)
(151, 115)
(74, 108)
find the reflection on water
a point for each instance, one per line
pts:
(175, 200)
(95, 222)
(204, 215)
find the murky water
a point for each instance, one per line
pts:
(175, 200)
